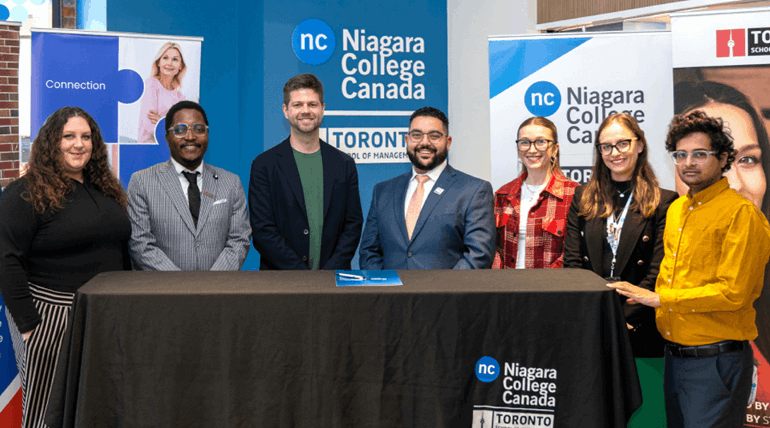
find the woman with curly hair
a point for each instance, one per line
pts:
(60, 225)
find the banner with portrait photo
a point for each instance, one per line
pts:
(721, 65)
(576, 82)
(126, 82)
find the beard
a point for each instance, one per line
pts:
(306, 128)
(439, 156)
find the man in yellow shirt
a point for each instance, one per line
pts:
(717, 244)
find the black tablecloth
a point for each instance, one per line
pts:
(290, 349)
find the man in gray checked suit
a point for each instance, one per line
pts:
(187, 215)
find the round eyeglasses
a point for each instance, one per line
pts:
(699, 157)
(621, 146)
(417, 136)
(540, 144)
(181, 129)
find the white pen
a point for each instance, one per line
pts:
(350, 276)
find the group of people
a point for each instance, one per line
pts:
(687, 270)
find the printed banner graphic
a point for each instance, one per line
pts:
(377, 68)
(10, 383)
(576, 82)
(528, 398)
(126, 83)
(726, 75)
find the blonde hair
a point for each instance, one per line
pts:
(155, 72)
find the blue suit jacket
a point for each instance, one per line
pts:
(279, 218)
(455, 229)
(163, 235)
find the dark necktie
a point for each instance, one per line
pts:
(193, 195)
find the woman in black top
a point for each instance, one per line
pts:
(62, 223)
(622, 203)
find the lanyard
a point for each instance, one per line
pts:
(614, 227)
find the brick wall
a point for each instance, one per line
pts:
(69, 14)
(9, 102)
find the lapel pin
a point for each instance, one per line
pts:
(438, 191)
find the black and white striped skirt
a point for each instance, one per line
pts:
(36, 358)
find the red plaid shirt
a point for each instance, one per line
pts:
(546, 223)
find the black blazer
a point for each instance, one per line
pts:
(638, 261)
(279, 219)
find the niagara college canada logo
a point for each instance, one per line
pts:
(731, 43)
(313, 41)
(487, 369)
(542, 99)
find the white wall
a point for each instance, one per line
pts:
(469, 25)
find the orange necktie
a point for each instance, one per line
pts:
(415, 205)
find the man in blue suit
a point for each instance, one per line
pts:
(304, 205)
(433, 217)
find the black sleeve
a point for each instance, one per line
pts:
(572, 256)
(666, 198)
(353, 221)
(18, 225)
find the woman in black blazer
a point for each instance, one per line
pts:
(623, 203)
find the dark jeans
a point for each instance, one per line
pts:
(708, 392)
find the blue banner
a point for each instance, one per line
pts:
(378, 63)
(119, 81)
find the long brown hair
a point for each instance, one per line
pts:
(545, 123)
(600, 195)
(47, 182)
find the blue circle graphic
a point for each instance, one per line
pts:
(487, 369)
(4, 13)
(313, 41)
(19, 14)
(542, 99)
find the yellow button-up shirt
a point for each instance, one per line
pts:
(717, 244)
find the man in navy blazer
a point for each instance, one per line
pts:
(433, 217)
(304, 204)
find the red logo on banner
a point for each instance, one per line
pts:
(731, 43)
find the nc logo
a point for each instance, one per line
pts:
(313, 41)
(487, 369)
(542, 99)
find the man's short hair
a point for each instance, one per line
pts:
(303, 81)
(431, 112)
(696, 121)
(184, 105)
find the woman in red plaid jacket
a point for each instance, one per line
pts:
(531, 211)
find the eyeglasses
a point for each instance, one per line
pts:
(433, 136)
(180, 130)
(699, 157)
(540, 144)
(622, 146)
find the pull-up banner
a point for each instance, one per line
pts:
(576, 82)
(126, 82)
(377, 64)
(722, 66)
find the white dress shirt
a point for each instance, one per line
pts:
(433, 176)
(183, 181)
